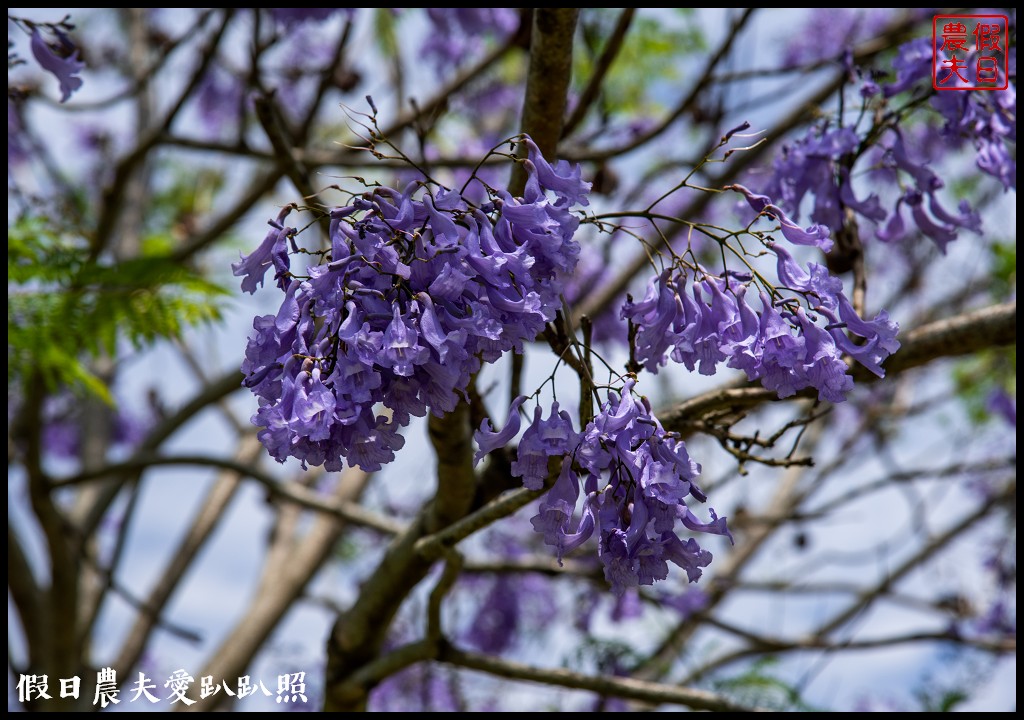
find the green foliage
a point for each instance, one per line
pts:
(756, 686)
(981, 375)
(1004, 270)
(185, 192)
(959, 675)
(64, 308)
(385, 31)
(650, 60)
(607, 655)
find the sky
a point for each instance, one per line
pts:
(219, 586)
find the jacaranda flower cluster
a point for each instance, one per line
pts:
(635, 477)
(708, 321)
(419, 288)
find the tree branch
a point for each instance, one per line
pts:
(210, 393)
(292, 563)
(1008, 495)
(434, 546)
(819, 638)
(965, 334)
(291, 492)
(547, 84)
(441, 97)
(604, 62)
(540, 564)
(767, 644)
(727, 569)
(205, 522)
(143, 79)
(28, 596)
(604, 685)
(274, 127)
(452, 439)
(687, 104)
(260, 186)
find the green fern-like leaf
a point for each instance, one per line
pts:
(65, 308)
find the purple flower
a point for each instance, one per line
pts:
(372, 449)
(556, 509)
(495, 625)
(688, 602)
(940, 225)
(782, 354)
(219, 100)
(701, 341)
(401, 351)
(290, 17)
(787, 351)
(565, 180)
(818, 282)
(869, 89)
(653, 317)
(314, 406)
(758, 203)
(1002, 404)
(61, 59)
(815, 235)
(272, 251)
(17, 144)
(823, 363)
(544, 439)
(689, 555)
(488, 440)
(914, 61)
(456, 33)
(832, 31)
(879, 333)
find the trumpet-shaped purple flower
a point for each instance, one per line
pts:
(1002, 404)
(653, 317)
(544, 439)
(913, 62)
(879, 334)
(556, 509)
(402, 351)
(814, 235)
(564, 179)
(272, 251)
(823, 362)
(488, 441)
(61, 59)
(987, 119)
(816, 281)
